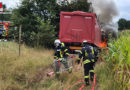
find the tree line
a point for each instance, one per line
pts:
(123, 24)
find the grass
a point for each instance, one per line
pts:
(18, 73)
(105, 77)
(28, 72)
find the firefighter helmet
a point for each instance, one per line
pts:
(85, 42)
(57, 42)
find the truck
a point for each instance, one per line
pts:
(77, 26)
(4, 28)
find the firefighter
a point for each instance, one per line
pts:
(61, 54)
(86, 54)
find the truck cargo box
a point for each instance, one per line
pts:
(78, 26)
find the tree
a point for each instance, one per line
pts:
(128, 24)
(123, 24)
(34, 19)
(46, 33)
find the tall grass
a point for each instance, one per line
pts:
(118, 60)
(20, 73)
(28, 72)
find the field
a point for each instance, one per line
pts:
(18, 73)
(28, 71)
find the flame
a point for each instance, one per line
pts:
(103, 44)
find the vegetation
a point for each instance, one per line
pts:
(28, 72)
(123, 24)
(114, 74)
(40, 26)
(21, 73)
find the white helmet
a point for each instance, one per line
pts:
(57, 42)
(85, 42)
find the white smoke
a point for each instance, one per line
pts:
(106, 11)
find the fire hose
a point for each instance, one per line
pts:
(83, 85)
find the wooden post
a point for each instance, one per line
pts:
(20, 27)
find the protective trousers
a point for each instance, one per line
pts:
(88, 68)
(91, 70)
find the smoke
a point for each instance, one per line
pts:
(106, 11)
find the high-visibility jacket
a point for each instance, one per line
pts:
(94, 51)
(86, 54)
(61, 52)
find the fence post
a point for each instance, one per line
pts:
(20, 27)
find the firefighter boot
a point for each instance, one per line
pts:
(70, 70)
(87, 80)
(57, 74)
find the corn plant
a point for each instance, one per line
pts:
(119, 59)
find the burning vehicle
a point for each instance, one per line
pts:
(77, 26)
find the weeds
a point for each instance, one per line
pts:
(18, 73)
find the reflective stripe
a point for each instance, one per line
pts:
(86, 54)
(67, 53)
(78, 59)
(86, 61)
(93, 60)
(86, 76)
(91, 71)
(61, 54)
(62, 44)
(81, 52)
(65, 50)
(57, 72)
(55, 57)
(92, 51)
(70, 69)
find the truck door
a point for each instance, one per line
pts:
(88, 28)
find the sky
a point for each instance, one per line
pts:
(123, 7)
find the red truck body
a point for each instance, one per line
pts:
(78, 26)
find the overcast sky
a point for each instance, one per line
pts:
(122, 5)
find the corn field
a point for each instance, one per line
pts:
(118, 58)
